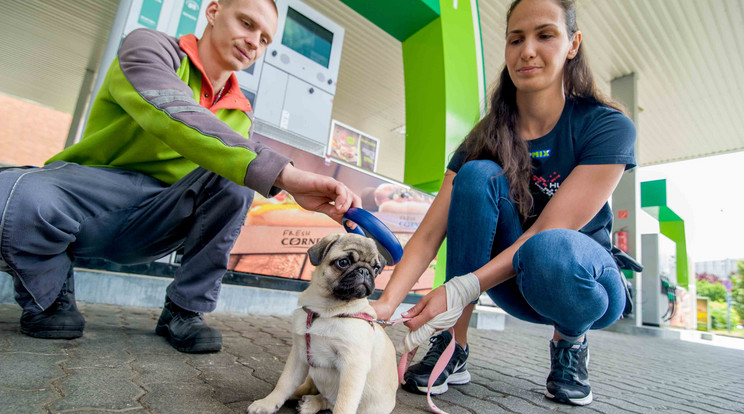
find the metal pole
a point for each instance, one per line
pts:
(82, 103)
(728, 311)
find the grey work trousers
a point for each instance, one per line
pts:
(50, 215)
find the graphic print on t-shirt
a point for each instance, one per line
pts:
(540, 154)
(548, 185)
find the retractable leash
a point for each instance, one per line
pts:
(389, 247)
(370, 226)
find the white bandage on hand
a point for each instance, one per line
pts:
(460, 292)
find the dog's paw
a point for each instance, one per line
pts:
(311, 404)
(264, 406)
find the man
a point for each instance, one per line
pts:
(164, 163)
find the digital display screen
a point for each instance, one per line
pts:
(307, 38)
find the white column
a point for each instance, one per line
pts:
(626, 198)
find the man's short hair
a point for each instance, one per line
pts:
(226, 3)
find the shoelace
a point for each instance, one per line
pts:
(438, 345)
(565, 362)
(186, 314)
(62, 302)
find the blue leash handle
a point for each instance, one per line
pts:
(370, 226)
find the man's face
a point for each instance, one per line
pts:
(241, 31)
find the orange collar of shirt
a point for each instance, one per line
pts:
(232, 96)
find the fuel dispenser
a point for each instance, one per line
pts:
(658, 280)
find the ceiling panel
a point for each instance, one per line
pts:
(47, 46)
(688, 55)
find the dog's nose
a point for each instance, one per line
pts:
(364, 272)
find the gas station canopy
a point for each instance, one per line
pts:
(687, 55)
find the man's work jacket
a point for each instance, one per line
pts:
(155, 114)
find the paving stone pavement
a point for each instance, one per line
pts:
(120, 365)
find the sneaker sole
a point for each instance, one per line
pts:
(63, 333)
(563, 398)
(203, 346)
(458, 378)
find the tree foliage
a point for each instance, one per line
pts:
(737, 294)
(715, 291)
(708, 277)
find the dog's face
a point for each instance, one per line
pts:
(346, 265)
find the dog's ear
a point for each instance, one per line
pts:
(383, 262)
(317, 252)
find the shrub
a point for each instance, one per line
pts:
(718, 316)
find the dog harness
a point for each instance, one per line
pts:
(405, 359)
(311, 316)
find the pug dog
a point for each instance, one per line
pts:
(337, 348)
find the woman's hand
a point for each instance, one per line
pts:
(383, 309)
(440, 309)
(431, 305)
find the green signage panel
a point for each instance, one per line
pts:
(150, 13)
(189, 16)
(398, 18)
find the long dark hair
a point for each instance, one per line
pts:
(497, 135)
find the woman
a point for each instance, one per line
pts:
(523, 205)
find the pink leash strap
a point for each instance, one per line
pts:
(406, 359)
(438, 369)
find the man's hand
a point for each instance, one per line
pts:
(315, 192)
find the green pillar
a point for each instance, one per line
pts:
(444, 87)
(654, 202)
(443, 83)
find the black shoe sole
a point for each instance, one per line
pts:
(64, 333)
(190, 346)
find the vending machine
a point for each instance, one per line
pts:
(299, 77)
(291, 87)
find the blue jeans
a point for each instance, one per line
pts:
(564, 277)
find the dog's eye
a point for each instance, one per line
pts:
(376, 269)
(343, 263)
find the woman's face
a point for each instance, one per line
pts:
(537, 45)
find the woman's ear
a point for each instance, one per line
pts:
(575, 44)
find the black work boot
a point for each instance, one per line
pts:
(61, 320)
(186, 330)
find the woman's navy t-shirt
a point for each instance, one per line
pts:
(586, 133)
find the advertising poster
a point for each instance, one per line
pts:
(685, 314)
(703, 314)
(353, 147)
(277, 232)
(368, 153)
